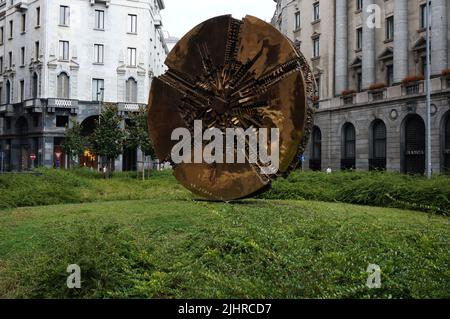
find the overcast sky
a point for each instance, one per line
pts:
(180, 16)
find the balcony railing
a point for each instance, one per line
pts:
(129, 107)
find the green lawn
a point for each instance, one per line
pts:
(170, 246)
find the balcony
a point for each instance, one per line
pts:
(6, 109)
(105, 2)
(54, 104)
(129, 107)
(22, 5)
(33, 106)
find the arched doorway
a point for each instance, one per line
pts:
(315, 163)
(413, 147)
(377, 159)
(446, 148)
(88, 159)
(24, 147)
(348, 160)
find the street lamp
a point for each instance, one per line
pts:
(428, 99)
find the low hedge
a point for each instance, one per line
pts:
(366, 188)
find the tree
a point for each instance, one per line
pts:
(74, 142)
(108, 136)
(137, 134)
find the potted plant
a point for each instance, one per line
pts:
(377, 86)
(412, 79)
(348, 92)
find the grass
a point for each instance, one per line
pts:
(152, 240)
(170, 246)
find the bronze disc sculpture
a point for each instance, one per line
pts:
(230, 73)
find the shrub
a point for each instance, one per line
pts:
(366, 188)
(377, 86)
(348, 92)
(412, 79)
(446, 72)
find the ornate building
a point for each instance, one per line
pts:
(371, 94)
(60, 59)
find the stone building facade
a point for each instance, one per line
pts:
(60, 59)
(371, 107)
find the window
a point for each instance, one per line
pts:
(316, 47)
(423, 16)
(62, 121)
(22, 90)
(10, 56)
(11, 29)
(38, 16)
(8, 93)
(35, 84)
(446, 149)
(359, 4)
(64, 15)
(316, 11)
(297, 20)
(349, 147)
(64, 50)
(98, 87)
(22, 56)
(359, 81)
(315, 163)
(378, 152)
(24, 22)
(63, 86)
(1, 65)
(390, 28)
(36, 50)
(2, 35)
(99, 53)
(414, 145)
(359, 38)
(99, 19)
(131, 90)
(132, 23)
(132, 56)
(390, 75)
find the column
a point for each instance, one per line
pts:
(368, 50)
(439, 44)
(400, 40)
(341, 60)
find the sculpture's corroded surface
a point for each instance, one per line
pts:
(231, 73)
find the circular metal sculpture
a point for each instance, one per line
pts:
(230, 73)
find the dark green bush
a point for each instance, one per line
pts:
(367, 188)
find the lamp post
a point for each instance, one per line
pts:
(428, 99)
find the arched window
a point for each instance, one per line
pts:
(414, 145)
(8, 92)
(63, 86)
(315, 163)
(447, 145)
(348, 160)
(131, 90)
(34, 88)
(378, 146)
